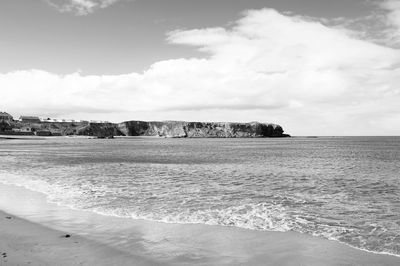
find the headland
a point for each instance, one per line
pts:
(31, 125)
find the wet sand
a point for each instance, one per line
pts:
(26, 243)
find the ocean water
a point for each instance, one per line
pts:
(340, 188)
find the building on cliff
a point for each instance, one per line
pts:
(54, 120)
(45, 119)
(22, 129)
(5, 116)
(29, 119)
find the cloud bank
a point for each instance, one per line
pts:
(269, 67)
(80, 7)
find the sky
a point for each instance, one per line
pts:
(316, 67)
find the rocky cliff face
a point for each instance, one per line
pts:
(177, 129)
(99, 129)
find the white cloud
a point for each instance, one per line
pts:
(80, 7)
(270, 67)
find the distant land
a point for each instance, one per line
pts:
(30, 125)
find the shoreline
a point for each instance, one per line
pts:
(28, 243)
(37, 237)
(89, 213)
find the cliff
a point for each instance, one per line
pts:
(178, 129)
(170, 129)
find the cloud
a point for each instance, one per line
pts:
(311, 78)
(80, 7)
(392, 19)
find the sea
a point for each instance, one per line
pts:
(345, 189)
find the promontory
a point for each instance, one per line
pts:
(169, 129)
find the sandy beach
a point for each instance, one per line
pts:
(27, 243)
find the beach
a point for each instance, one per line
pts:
(27, 243)
(153, 201)
(42, 241)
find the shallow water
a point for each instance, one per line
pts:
(342, 188)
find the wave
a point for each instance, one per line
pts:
(253, 216)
